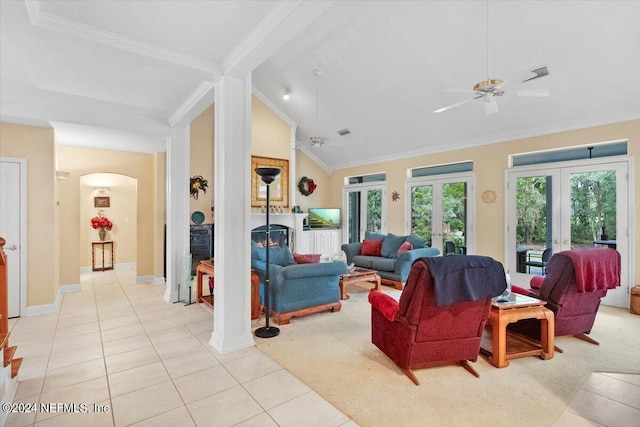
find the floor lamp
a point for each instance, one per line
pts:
(268, 175)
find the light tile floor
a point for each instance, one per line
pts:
(143, 362)
(611, 400)
(118, 345)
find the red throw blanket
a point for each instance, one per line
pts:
(596, 268)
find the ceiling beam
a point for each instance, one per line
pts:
(48, 21)
(199, 100)
(282, 24)
(22, 109)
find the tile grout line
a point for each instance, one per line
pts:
(159, 358)
(104, 357)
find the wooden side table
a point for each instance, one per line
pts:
(502, 346)
(101, 246)
(207, 267)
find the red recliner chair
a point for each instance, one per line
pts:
(576, 280)
(417, 333)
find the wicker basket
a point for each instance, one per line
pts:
(635, 300)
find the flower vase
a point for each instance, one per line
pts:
(102, 234)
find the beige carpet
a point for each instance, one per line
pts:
(332, 353)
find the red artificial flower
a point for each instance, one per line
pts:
(101, 221)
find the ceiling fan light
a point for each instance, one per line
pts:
(490, 107)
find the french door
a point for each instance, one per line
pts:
(568, 206)
(364, 210)
(440, 211)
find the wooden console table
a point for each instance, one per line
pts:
(101, 246)
(502, 346)
(206, 267)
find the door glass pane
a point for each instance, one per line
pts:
(533, 223)
(353, 216)
(454, 217)
(593, 209)
(422, 212)
(374, 211)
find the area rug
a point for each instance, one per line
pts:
(332, 353)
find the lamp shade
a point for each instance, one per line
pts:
(268, 175)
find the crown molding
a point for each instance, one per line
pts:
(494, 139)
(309, 152)
(56, 23)
(273, 107)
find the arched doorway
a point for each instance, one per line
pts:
(114, 196)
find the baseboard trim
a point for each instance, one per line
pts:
(170, 295)
(144, 279)
(35, 310)
(159, 281)
(124, 265)
(120, 266)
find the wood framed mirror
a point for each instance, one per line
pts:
(279, 187)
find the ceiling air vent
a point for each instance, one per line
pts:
(344, 132)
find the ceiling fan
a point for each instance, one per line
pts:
(488, 89)
(316, 140)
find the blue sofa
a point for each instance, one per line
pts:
(297, 289)
(392, 268)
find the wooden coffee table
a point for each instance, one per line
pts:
(358, 274)
(502, 346)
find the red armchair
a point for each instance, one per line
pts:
(576, 280)
(417, 333)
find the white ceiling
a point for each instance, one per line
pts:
(118, 74)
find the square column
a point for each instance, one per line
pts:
(177, 209)
(232, 309)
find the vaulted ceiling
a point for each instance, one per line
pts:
(118, 74)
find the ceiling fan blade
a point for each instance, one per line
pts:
(440, 110)
(490, 107)
(460, 90)
(540, 93)
(539, 72)
(525, 76)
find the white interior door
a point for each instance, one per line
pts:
(10, 230)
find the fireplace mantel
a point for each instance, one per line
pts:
(291, 220)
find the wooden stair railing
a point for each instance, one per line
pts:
(9, 351)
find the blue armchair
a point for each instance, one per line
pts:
(297, 289)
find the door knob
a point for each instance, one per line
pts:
(12, 248)
(565, 242)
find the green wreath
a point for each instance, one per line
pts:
(306, 186)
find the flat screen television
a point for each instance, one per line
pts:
(324, 217)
